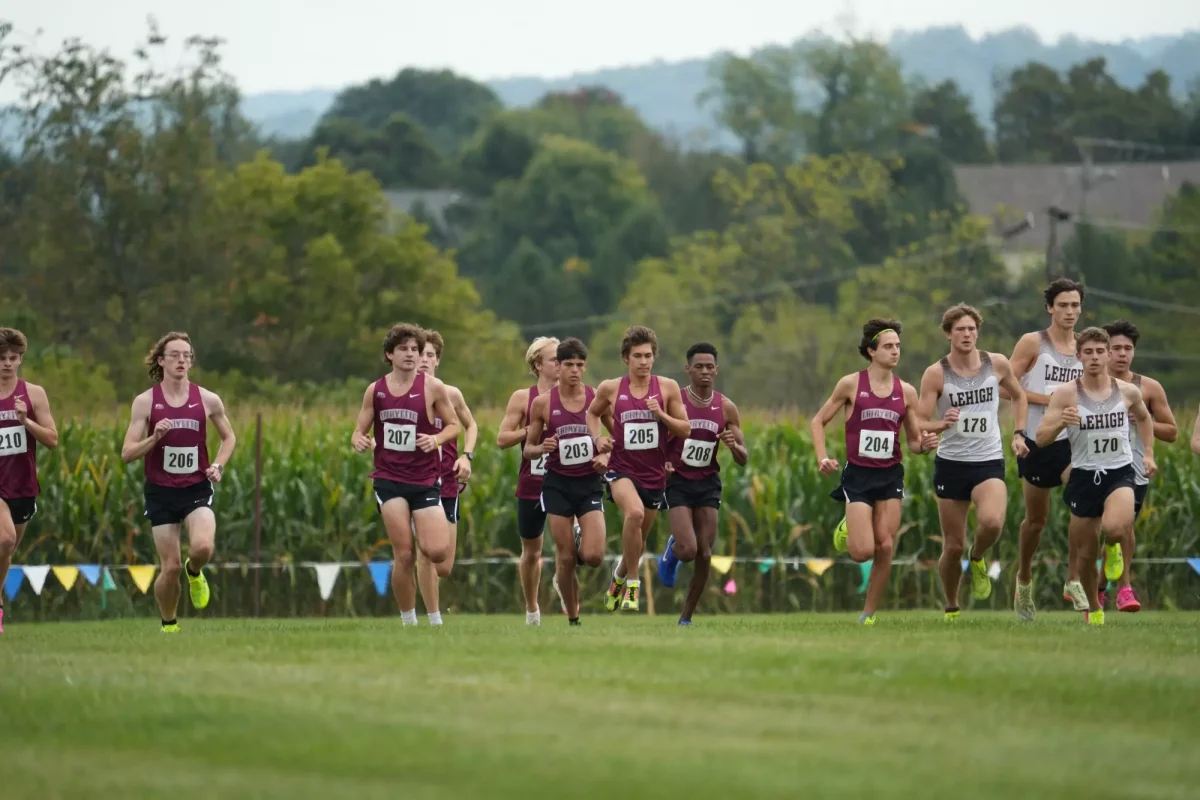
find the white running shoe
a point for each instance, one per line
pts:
(533, 618)
(1074, 590)
(1023, 601)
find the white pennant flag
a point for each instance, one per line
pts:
(327, 575)
(37, 577)
(994, 571)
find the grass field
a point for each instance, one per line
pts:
(746, 706)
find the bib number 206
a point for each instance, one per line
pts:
(180, 460)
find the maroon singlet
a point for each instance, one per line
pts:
(639, 441)
(696, 458)
(449, 455)
(529, 477)
(18, 449)
(180, 458)
(873, 427)
(398, 422)
(576, 448)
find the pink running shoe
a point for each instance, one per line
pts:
(1, 619)
(1127, 600)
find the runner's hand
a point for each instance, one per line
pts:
(727, 438)
(1149, 466)
(929, 441)
(426, 443)
(462, 469)
(162, 429)
(214, 472)
(1070, 415)
(952, 415)
(549, 444)
(21, 409)
(604, 444)
(361, 442)
(1020, 447)
(600, 463)
(827, 466)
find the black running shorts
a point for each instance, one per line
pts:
(450, 506)
(531, 518)
(21, 509)
(418, 497)
(870, 485)
(565, 496)
(1044, 466)
(652, 499)
(704, 493)
(1087, 490)
(1140, 490)
(956, 480)
(169, 505)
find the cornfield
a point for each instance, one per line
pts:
(317, 505)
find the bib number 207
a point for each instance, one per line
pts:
(402, 438)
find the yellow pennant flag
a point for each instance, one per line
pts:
(722, 564)
(66, 576)
(817, 566)
(142, 574)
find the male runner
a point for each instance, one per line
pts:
(455, 473)
(401, 408)
(1122, 346)
(1043, 361)
(168, 427)
(694, 486)
(25, 422)
(964, 386)
(542, 358)
(1094, 410)
(645, 409)
(571, 487)
(872, 484)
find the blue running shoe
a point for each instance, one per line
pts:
(668, 565)
(685, 622)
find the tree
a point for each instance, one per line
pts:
(1031, 116)
(957, 131)
(398, 153)
(755, 99)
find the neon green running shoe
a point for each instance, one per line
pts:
(632, 591)
(840, 535)
(1114, 562)
(1095, 617)
(197, 587)
(865, 620)
(172, 628)
(952, 616)
(981, 582)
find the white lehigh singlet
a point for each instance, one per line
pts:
(1050, 370)
(1101, 439)
(976, 435)
(1136, 445)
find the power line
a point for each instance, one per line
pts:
(1142, 301)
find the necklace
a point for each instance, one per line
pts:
(700, 401)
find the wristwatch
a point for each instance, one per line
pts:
(1020, 432)
(470, 456)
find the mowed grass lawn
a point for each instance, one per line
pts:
(756, 706)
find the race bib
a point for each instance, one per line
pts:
(13, 441)
(401, 438)
(181, 460)
(974, 425)
(1104, 443)
(574, 451)
(538, 465)
(698, 454)
(641, 435)
(875, 444)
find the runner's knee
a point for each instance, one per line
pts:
(8, 542)
(884, 547)
(202, 553)
(860, 552)
(171, 567)
(636, 514)
(685, 551)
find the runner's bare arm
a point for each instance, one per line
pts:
(470, 428)
(366, 416)
(1023, 358)
(919, 441)
(215, 409)
(842, 397)
(608, 422)
(44, 430)
(539, 412)
(932, 383)
(443, 407)
(1145, 423)
(1053, 420)
(732, 437)
(1020, 409)
(137, 442)
(601, 406)
(674, 414)
(1165, 427)
(512, 431)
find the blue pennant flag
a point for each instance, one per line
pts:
(90, 572)
(966, 563)
(865, 568)
(381, 573)
(12, 584)
(1194, 563)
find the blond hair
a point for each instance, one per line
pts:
(160, 351)
(533, 356)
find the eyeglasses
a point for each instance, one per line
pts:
(177, 356)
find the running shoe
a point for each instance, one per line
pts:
(1074, 591)
(1094, 617)
(612, 598)
(1127, 600)
(172, 628)
(1114, 562)
(952, 616)
(865, 620)
(981, 582)
(1023, 601)
(840, 535)
(683, 623)
(1, 619)
(632, 590)
(668, 565)
(197, 587)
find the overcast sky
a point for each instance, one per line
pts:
(304, 43)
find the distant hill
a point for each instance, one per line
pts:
(664, 93)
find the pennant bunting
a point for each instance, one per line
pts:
(766, 565)
(142, 574)
(90, 572)
(37, 577)
(327, 575)
(966, 564)
(12, 584)
(865, 568)
(722, 564)
(106, 582)
(1194, 563)
(381, 573)
(731, 587)
(994, 571)
(67, 576)
(818, 566)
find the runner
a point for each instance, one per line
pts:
(25, 422)
(455, 473)
(645, 409)
(969, 468)
(571, 487)
(401, 408)
(694, 486)
(1122, 346)
(1094, 410)
(872, 485)
(168, 427)
(542, 358)
(1043, 361)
